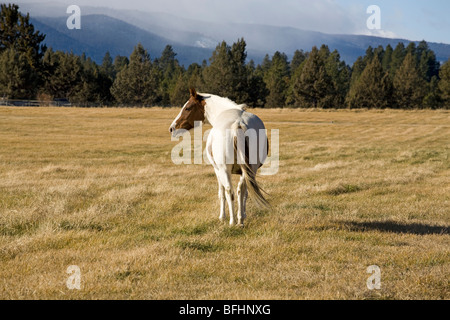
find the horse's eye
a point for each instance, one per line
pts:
(189, 109)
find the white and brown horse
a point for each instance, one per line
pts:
(237, 144)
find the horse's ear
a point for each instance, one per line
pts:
(193, 93)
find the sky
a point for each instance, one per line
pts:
(413, 20)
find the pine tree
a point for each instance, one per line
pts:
(357, 69)
(277, 81)
(433, 98)
(107, 67)
(93, 87)
(411, 49)
(227, 74)
(373, 89)
(444, 84)
(120, 62)
(299, 58)
(368, 56)
(398, 55)
(194, 77)
(18, 79)
(16, 32)
(387, 58)
(313, 87)
(218, 75)
(179, 94)
(167, 63)
(339, 73)
(62, 74)
(191, 78)
(340, 76)
(87, 89)
(171, 71)
(138, 82)
(265, 65)
(324, 52)
(427, 63)
(240, 71)
(379, 52)
(409, 86)
(257, 90)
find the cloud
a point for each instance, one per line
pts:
(320, 15)
(381, 33)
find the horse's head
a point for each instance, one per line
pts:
(193, 110)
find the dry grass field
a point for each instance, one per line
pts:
(96, 188)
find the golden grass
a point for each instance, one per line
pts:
(96, 188)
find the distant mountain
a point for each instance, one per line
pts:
(261, 39)
(101, 33)
(118, 31)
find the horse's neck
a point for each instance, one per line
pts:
(214, 108)
(212, 114)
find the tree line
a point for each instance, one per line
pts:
(406, 77)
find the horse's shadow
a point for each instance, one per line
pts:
(395, 227)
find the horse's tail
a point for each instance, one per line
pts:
(255, 191)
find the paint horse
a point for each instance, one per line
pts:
(230, 147)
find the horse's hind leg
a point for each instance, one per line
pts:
(221, 200)
(242, 198)
(225, 180)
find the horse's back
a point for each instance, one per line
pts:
(238, 119)
(252, 121)
(230, 117)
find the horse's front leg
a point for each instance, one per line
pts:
(220, 177)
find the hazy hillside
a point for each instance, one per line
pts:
(118, 31)
(100, 33)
